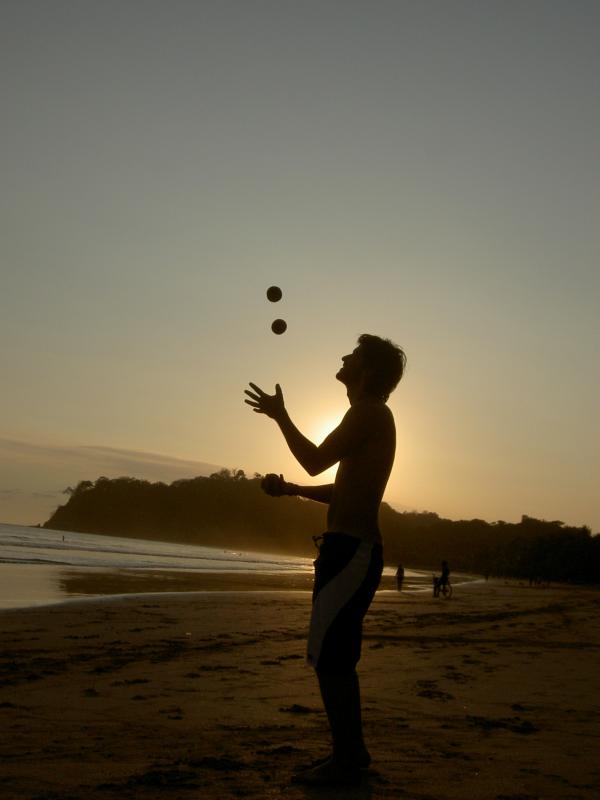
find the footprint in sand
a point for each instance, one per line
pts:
(435, 694)
(281, 750)
(298, 709)
(172, 710)
(157, 779)
(217, 763)
(452, 674)
(431, 692)
(513, 724)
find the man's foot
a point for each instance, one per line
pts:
(329, 773)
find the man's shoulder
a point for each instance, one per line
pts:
(368, 413)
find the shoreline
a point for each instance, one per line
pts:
(191, 594)
(41, 585)
(490, 695)
(39, 569)
(38, 585)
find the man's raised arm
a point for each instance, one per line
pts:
(303, 450)
(314, 459)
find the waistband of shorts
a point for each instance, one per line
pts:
(373, 536)
(332, 536)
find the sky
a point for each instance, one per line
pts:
(425, 171)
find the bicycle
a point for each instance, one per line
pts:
(444, 589)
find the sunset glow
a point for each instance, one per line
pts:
(425, 174)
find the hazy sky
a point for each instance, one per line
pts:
(426, 171)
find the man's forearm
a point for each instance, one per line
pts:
(303, 450)
(322, 494)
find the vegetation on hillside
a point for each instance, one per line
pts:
(230, 510)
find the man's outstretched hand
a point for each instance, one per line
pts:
(275, 485)
(270, 404)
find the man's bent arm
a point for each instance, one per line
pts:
(303, 450)
(322, 494)
(344, 439)
(277, 486)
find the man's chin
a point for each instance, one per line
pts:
(340, 376)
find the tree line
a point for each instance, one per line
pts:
(228, 509)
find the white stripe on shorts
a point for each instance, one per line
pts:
(333, 597)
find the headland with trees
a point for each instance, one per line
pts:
(228, 509)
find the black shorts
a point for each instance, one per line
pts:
(347, 573)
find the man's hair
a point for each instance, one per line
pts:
(385, 363)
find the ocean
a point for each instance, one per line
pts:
(40, 566)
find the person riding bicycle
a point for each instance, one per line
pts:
(439, 584)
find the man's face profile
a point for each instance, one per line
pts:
(352, 368)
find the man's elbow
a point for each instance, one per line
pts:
(316, 467)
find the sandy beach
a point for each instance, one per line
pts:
(492, 694)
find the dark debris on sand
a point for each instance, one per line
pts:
(513, 724)
(157, 778)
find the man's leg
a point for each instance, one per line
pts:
(336, 660)
(341, 698)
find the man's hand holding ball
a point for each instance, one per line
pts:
(276, 486)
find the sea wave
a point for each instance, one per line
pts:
(19, 544)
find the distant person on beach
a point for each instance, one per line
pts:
(445, 576)
(440, 583)
(400, 577)
(350, 561)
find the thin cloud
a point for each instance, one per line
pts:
(28, 469)
(115, 456)
(91, 461)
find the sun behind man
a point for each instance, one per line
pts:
(350, 562)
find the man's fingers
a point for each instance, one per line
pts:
(256, 388)
(255, 407)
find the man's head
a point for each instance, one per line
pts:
(376, 364)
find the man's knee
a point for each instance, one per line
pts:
(331, 674)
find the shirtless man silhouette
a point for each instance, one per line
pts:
(350, 562)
